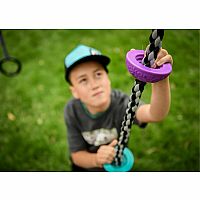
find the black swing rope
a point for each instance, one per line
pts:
(152, 50)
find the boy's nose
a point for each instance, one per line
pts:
(93, 84)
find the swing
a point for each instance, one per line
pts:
(7, 58)
(138, 65)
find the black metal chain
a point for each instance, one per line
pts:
(152, 50)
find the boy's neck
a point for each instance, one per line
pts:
(94, 111)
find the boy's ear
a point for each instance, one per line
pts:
(74, 92)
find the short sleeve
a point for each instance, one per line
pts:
(74, 136)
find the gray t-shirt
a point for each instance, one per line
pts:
(88, 132)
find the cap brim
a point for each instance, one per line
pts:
(104, 60)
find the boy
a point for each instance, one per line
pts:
(93, 118)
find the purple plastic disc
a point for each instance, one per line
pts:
(144, 73)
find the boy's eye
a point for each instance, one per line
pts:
(98, 74)
(83, 80)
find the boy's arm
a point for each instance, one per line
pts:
(159, 106)
(85, 159)
(158, 109)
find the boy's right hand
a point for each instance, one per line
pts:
(106, 153)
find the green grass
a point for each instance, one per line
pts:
(32, 129)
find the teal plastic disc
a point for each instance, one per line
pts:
(126, 165)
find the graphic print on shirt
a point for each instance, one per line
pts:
(100, 136)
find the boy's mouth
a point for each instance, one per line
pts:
(97, 93)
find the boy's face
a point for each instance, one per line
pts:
(90, 84)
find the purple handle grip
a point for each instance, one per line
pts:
(143, 73)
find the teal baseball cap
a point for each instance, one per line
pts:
(83, 53)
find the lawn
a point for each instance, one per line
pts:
(32, 129)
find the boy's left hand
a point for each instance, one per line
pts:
(162, 57)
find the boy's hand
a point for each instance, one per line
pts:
(106, 153)
(162, 57)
